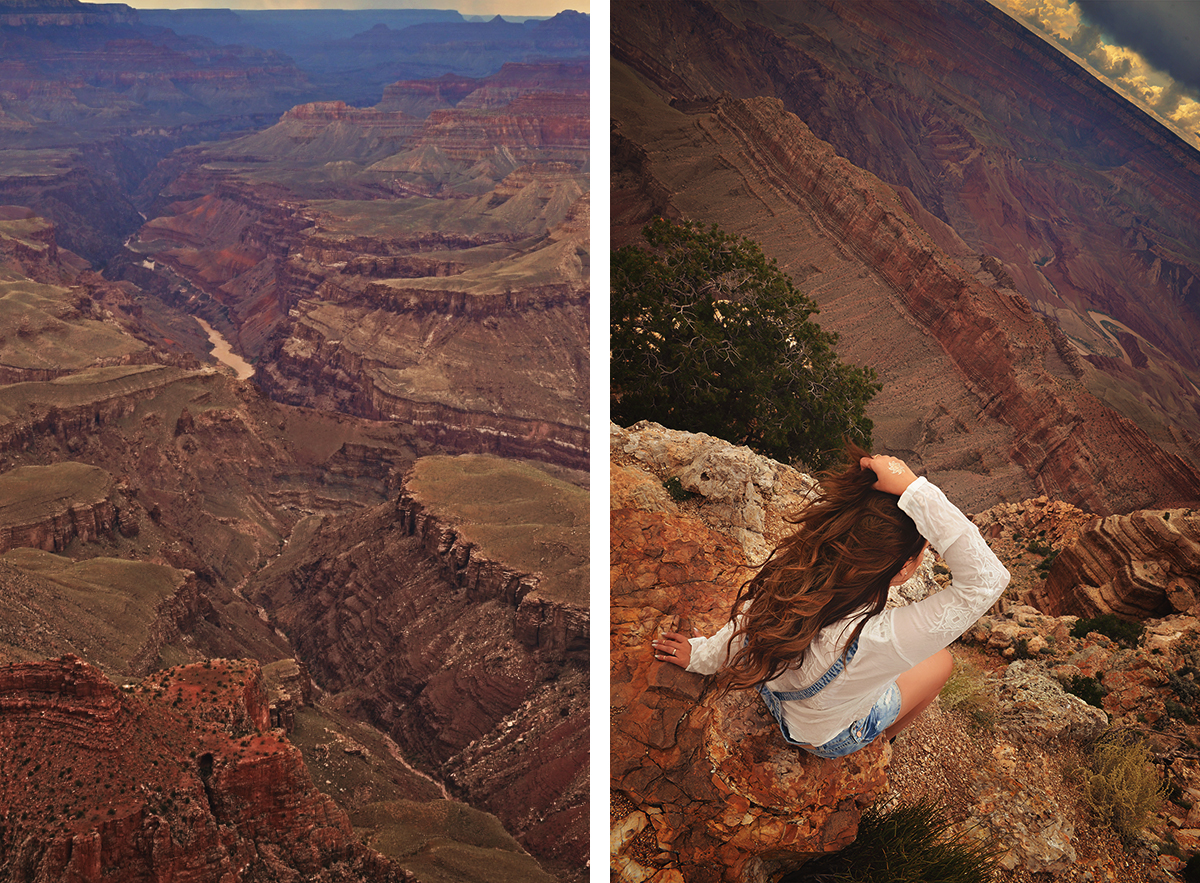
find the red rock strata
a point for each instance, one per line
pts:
(1066, 442)
(97, 782)
(1141, 565)
(46, 507)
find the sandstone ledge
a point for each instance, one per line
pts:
(45, 507)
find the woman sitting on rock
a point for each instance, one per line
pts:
(813, 636)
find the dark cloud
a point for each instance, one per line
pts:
(1164, 32)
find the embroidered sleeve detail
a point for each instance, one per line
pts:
(979, 578)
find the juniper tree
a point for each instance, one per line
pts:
(707, 335)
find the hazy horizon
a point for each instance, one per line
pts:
(488, 8)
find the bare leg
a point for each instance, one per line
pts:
(919, 685)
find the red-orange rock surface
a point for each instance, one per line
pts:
(707, 787)
(1138, 566)
(100, 784)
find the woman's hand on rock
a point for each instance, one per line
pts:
(892, 474)
(674, 647)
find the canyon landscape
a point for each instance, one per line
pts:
(1013, 248)
(1009, 244)
(293, 445)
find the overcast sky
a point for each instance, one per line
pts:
(466, 7)
(1147, 49)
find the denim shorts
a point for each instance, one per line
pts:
(864, 731)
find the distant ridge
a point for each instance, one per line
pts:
(18, 13)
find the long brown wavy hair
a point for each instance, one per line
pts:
(850, 542)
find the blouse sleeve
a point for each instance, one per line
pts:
(978, 578)
(709, 655)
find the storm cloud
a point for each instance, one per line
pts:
(1166, 33)
(1148, 50)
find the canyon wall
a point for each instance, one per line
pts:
(989, 379)
(475, 665)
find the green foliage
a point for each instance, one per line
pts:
(1121, 785)
(707, 335)
(677, 491)
(1045, 564)
(1178, 711)
(970, 690)
(908, 844)
(1126, 633)
(1086, 688)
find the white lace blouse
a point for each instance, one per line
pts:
(895, 640)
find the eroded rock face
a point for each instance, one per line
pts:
(45, 507)
(708, 787)
(473, 665)
(109, 779)
(1137, 566)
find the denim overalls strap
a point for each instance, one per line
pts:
(775, 700)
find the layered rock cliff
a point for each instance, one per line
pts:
(1138, 566)
(456, 619)
(917, 224)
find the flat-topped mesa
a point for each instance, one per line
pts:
(551, 606)
(45, 507)
(64, 13)
(78, 404)
(332, 111)
(1138, 566)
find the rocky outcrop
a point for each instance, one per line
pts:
(1137, 566)
(893, 254)
(115, 781)
(707, 787)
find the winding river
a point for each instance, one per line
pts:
(224, 353)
